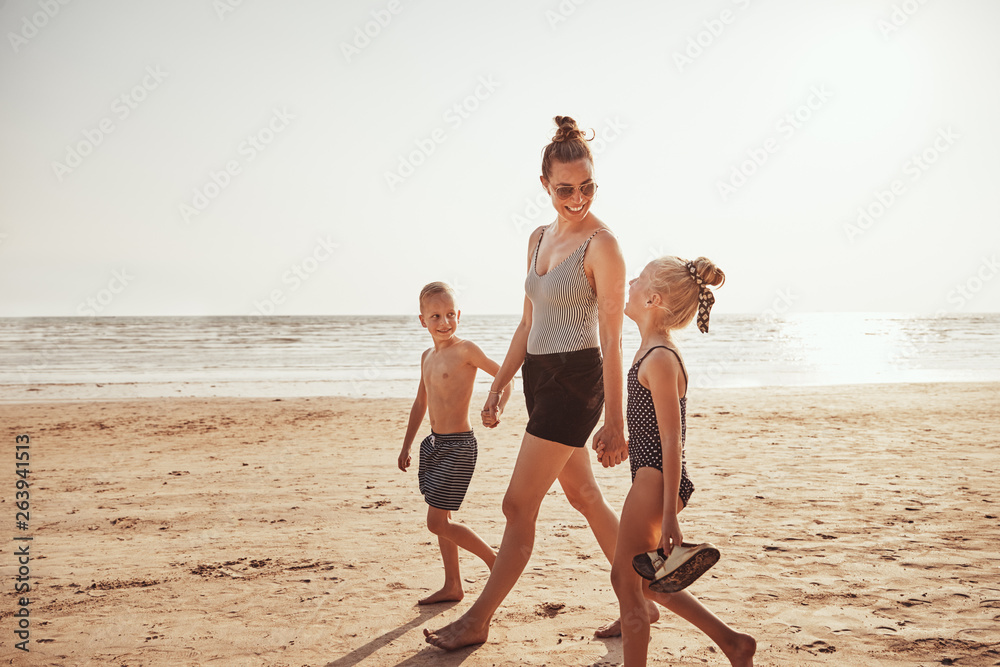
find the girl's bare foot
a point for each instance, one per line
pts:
(446, 594)
(458, 634)
(614, 628)
(741, 651)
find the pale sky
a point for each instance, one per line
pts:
(223, 157)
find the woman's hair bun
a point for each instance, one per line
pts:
(568, 145)
(709, 272)
(567, 129)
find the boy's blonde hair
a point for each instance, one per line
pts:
(679, 289)
(435, 288)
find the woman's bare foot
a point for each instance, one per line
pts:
(741, 651)
(458, 634)
(614, 628)
(446, 594)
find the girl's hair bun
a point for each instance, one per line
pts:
(709, 272)
(680, 293)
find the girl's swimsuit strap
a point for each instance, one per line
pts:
(679, 360)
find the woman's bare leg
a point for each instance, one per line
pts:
(539, 463)
(584, 494)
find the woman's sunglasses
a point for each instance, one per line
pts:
(566, 191)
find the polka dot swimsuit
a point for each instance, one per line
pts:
(645, 449)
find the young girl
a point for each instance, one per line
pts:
(666, 296)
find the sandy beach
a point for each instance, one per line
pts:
(858, 526)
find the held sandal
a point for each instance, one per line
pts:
(677, 571)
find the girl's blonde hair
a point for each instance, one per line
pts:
(678, 288)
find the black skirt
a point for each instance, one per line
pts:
(564, 394)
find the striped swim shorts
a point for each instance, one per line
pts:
(447, 462)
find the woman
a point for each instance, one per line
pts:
(575, 293)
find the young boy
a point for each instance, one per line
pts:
(448, 454)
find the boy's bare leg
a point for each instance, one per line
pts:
(452, 589)
(439, 522)
(539, 463)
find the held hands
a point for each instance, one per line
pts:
(492, 411)
(672, 536)
(610, 445)
(404, 459)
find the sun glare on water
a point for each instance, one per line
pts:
(842, 348)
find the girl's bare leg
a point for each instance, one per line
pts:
(539, 463)
(738, 647)
(583, 492)
(648, 507)
(639, 533)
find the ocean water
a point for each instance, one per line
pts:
(379, 355)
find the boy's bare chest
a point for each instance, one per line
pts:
(441, 369)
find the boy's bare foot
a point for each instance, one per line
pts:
(614, 628)
(446, 594)
(741, 652)
(456, 635)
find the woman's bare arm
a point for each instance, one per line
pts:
(604, 257)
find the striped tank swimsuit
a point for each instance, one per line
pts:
(563, 305)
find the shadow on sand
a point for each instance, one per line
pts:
(428, 656)
(614, 655)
